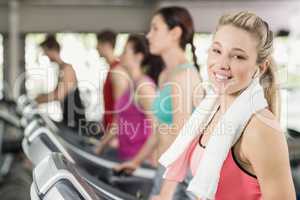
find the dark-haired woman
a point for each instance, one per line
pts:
(66, 90)
(133, 119)
(171, 30)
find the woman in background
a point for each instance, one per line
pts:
(133, 119)
(171, 30)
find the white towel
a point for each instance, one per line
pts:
(227, 132)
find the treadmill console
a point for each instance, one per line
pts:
(56, 178)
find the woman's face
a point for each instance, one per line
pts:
(159, 36)
(232, 59)
(51, 54)
(130, 59)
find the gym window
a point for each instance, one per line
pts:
(78, 49)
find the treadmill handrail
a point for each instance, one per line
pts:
(30, 127)
(102, 190)
(60, 174)
(47, 132)
(140, 172)
(35, 111)
(10, 118)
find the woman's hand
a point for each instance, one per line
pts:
(105, 140)
(128, 167)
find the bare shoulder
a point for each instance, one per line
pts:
(120, 74)
(263, 134)
(265, 149)
(263, 125)
(186, 75)
(68, 67)
(146, 81)
(119, 69)
(184, 72)
(68, 72)
(145, 86)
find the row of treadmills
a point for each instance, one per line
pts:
(66, 167)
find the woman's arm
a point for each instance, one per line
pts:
(184, 84)
(119, 81)
(264, 146)
(107, 138)
(183, 99)
(65, 85)
(148, 148)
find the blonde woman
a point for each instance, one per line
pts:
(257, 164)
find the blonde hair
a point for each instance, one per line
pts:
(257, 27)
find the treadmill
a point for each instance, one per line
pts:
(57, 178)
(79, 147)
(40, 141)
(11, 134)
(13, 175)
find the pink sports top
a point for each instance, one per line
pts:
(235, 182)
(134, 127)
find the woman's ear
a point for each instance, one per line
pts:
(140, 57)
(263, 67)
(176, 33)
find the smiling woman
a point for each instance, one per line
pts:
(221, 156)
(227, 53)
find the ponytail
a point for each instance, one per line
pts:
(194, 56)
(269, 80)
(152, 66)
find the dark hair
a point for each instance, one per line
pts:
(107, 36)
(152, 65)
(175, 16)
(50, 43)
